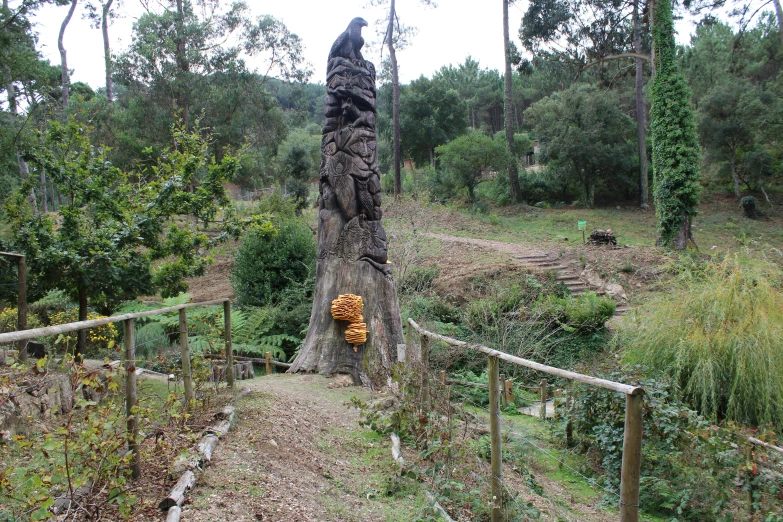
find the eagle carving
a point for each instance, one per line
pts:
(349, 44)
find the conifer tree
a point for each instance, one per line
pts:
(675, 145)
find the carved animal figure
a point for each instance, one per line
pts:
(349, 44)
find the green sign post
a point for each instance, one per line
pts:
(582, 225)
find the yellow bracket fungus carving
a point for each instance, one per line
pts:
(348, 307)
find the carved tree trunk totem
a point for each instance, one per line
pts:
(352, 244)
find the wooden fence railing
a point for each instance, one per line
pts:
(129, 357)
(632, 438)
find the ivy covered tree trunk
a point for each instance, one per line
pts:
(675, 146)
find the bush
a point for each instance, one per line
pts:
(687, 465)
(719, 335)
(587, 312)
(419, 279)
(750, 208)
(271, 259)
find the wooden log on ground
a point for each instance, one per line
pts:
(249, 373)
(207, 446)
(174, 514)
(251, 359)
(177, 495)
(396, 454)
(218, 373)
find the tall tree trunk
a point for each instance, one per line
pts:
(53, 196)
(107, 49)
(44, 204)
(81, 338)
(513, 168)
(640, 110)
(183, 91)
(779, 13)
(10, 88)
(65, 79)
(397, 159)
(734, 177)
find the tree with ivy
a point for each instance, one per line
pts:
(119, 235)
(675, 145)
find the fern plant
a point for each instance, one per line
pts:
(254, 331)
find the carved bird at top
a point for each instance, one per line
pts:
(349, 44)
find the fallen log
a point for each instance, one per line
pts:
(207, 446)
(174, 514)
(177, 495)
(251, 359)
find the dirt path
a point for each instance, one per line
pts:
(296, 454)
(512, 249)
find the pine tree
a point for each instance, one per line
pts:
(675, 145)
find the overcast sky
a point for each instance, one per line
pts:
(446, 34)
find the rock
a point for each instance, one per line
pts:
(616, 292)
(36, 350)
(592, 279)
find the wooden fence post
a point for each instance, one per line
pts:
(749, 460)
(131, 401)
(443, 378)
(502, 388)
(542, 413)
(268, 356)
(229, 348)
(494, 428)
(632, 459)
(184, 351)
(509, 391)
(425, 373)
(410, 353)
(21, 322)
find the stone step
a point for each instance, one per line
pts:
(531, 257)
(574, 283)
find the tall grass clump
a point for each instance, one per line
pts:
(719, 334)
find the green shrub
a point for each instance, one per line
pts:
(419, 279)
(687, 465)
(719, 334)
(271, 259)
(503, 301)
(587, 312)
(433, 308)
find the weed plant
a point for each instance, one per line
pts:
(691, 469)
(719, 335)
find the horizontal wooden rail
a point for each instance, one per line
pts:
(586, 379)
(81, 325)
(767, 445)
